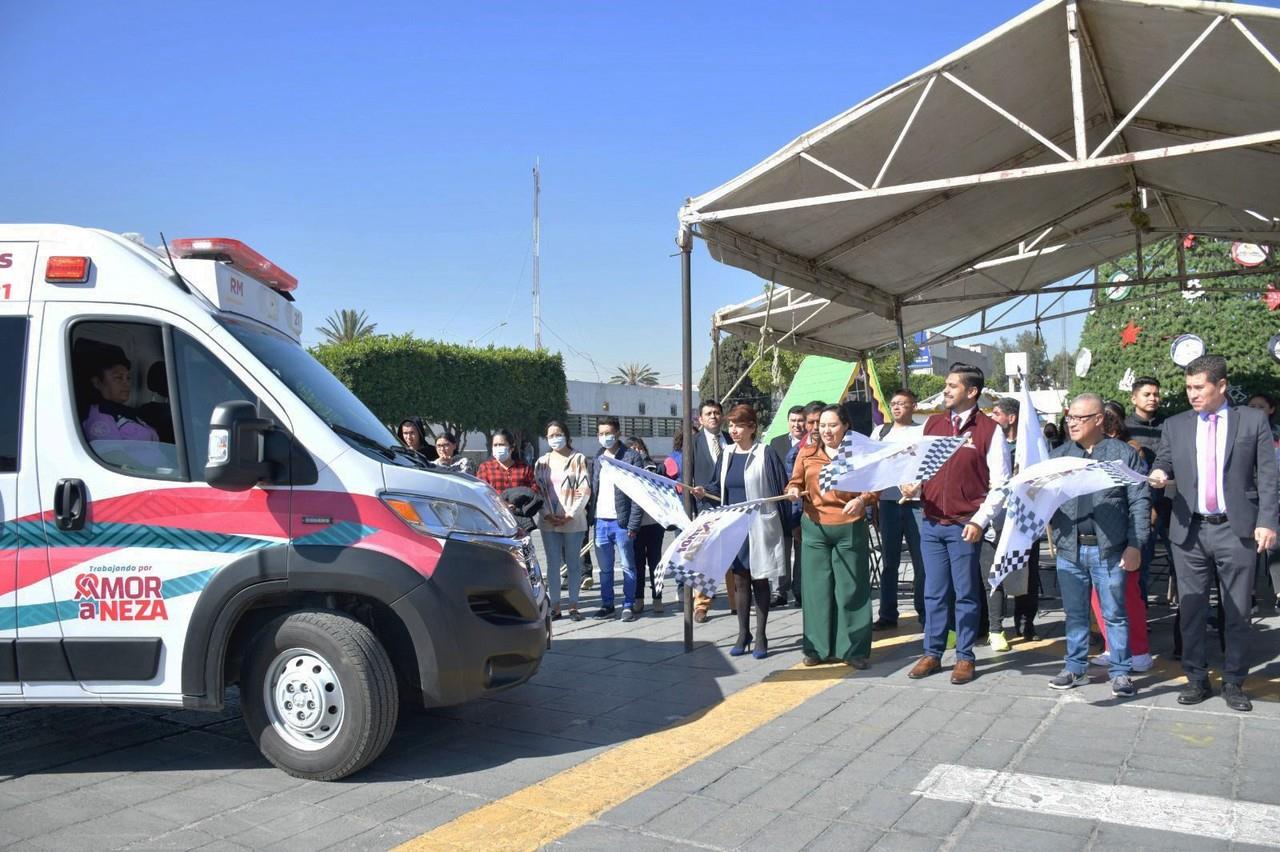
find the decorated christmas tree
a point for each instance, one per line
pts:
(1134, 330)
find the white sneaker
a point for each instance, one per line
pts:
(587, 583)
(1142, 663)
(1103, 660)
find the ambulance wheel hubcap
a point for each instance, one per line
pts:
(304, 699)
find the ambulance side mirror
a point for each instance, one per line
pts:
(235, 447)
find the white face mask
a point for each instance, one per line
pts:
(556, 442)
(501, 452)
(608, 441)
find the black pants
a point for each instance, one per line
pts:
(789, 579)
(1214, 551)
(648, 550)
(1025, 607)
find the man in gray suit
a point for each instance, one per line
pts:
(708, 445)
(1221, 461)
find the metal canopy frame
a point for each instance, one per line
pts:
(1110, 142)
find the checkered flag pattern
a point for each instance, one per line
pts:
(706, 548)
(879, 466)
(656, 494)
(937, 454)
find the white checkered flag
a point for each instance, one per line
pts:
(854, 445)
(890, 465)
(707, 546)
(656, 494)
(1032, 497)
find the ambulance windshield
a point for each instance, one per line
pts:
(322, 392)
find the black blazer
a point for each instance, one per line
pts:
(1249, 475)
(781, 446)
(702, 470)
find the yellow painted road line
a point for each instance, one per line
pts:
(537, 815)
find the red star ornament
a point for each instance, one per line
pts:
(1129, 334)
(1272, 298)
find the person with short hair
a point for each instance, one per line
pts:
(648, 541)
(949, 542)
(782, 446)
(1221, 461)
(899, 517)
(750, 470)
(1144, 426)
(414, 437)
(1099, 540)
(837, 553)
(617, 522)
(709, 443)
(564, 479)
(1269, 563)
(812, 413)
(109, 416)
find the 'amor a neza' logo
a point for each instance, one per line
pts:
(131, 597)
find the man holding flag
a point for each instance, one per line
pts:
(948, 542)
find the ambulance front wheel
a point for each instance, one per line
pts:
(319, 694)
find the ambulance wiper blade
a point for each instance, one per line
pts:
(363, 439)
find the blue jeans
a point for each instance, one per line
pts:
(1074, 581)
(897, 520)
(563, 548)
(613, 539)
(950, 568)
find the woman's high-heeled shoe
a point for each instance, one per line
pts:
(762, 648)
(744, 642)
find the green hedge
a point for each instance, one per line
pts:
(463, 388)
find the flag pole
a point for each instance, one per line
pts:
(685, 240)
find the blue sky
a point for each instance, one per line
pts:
(382, 153)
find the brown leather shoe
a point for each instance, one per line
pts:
(699, 614)
(924, 667)
(963, 672)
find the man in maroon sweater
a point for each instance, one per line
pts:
(948, 542)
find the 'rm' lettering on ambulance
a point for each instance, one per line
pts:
(236, 288)
(129, 598)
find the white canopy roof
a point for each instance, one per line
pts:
(1009, 165)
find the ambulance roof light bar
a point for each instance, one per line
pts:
(239, 256)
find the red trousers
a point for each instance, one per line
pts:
(1136, 610)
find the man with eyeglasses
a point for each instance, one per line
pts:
(1099, 538)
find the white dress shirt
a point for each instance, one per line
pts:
(999, 465)
(1202, 461)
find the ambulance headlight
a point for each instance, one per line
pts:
(439, 517)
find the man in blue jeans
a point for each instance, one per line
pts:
(1099, 538)
(899, 517)
(617, 522)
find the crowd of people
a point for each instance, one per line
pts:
(1211, 500)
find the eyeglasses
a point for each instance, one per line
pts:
(1081, 418)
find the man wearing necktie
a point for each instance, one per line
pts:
(1222, 464)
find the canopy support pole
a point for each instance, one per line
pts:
(902, 342)
(715, 362)
(686, 376)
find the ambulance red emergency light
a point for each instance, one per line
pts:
(189, 500)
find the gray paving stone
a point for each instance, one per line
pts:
(845, 837)
(990, 754)
(435, 812)
(637, 811)
(736, 826)
(831, 798)
(687, 818)
(787, 832)
(880, 808)
(932, 817)
(696, 777)
(1179, 783)
(596, 836)
(869, 769)
(987, 834)
(737, 784)
(896, 841)
(1123, 838)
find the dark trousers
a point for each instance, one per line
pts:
(1025, 606)
(648, 551)
(1213, 550)
(950, 568)
(789, 579)
(898, 521)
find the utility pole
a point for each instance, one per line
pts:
(537, 259)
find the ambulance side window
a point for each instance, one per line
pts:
(121, 397)
(203, 383)
(13, 356)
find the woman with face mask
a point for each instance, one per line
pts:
(447, 453)
(564, 480)
(506, 469)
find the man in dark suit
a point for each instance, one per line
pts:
(1221, 462)
(708, 445)
(782, 446)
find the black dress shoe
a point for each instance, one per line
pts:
(604, 612)
(882, 624)
(1194, 693)
(1235, 697)
(780, 599)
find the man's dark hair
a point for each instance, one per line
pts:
(1142, 381)
(609, 421)
(814, 407)
(710, 403)
(970, 376)
(907, 392)
(1008, 405)
(794, 410)
(1213, 366)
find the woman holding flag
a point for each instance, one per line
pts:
(835, 561)
(749, 470)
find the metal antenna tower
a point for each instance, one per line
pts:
(537, 258)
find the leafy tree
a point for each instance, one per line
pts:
(1234, 325)
(1061, 368)
(889, 371)
(1039, 368)
(773, 373)
(634, 374)
(736, 355)
(460, 388)
(345, 326)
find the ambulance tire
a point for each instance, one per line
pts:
(366, 679)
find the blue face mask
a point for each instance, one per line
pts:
(556, 442)
(607, 441)
(501, 452)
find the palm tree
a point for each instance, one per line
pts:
(346, 325)
(634, 374)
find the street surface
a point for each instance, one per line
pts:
(623, 740)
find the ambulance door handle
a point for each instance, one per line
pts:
(69, 504)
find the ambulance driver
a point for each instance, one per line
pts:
(109, 417)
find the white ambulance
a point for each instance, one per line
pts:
(189, 500)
